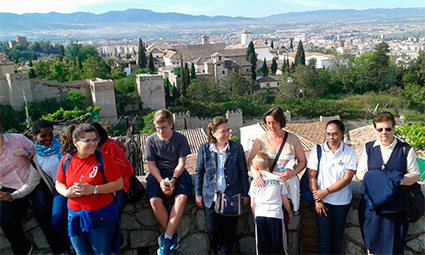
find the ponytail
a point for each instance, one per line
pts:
(67, 141)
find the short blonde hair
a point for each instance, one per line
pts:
(162, 116)
(261, 160)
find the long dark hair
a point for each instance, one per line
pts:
(103, 134)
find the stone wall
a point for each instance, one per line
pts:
(141, 230)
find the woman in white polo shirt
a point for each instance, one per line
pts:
(331, 192)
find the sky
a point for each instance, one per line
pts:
(233, 8)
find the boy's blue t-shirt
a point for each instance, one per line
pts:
(166, 153)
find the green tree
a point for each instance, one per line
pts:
(57, 72)
(86, 51)
(151, 63)
(31, 71)
(272, 45)
(300, 55)
(235, 84)
(149, 127)
(72, 50)
(251, 57)
(192, 71)
(142, 61)
(95, 68)
(264, 69)
(74, 99)
(274, 65)
(42, 69)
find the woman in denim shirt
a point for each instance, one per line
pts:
(232, 179)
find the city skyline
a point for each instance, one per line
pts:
(246, 8)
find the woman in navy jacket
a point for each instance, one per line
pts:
(384, 165)
(232, 179)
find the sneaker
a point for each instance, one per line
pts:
(72, 251)
(165, 245)
(30, 251)
(175, 242)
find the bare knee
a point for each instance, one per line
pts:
(156, 204)
(180, 199)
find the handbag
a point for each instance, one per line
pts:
(414, 202)
(305, 191)
(225, 204)
(228, 205)
(136, 190)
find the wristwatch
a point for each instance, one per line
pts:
(95, 190)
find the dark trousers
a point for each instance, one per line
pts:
(60, 215)
(331, 229)
(120, 202)
(269, 233)
(221, 230)
(12, 213)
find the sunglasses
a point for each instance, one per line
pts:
(382, 129)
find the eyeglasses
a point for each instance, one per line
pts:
(224, 131)
(161, 128)
(332, 134)
(382, 129)
(96, 140)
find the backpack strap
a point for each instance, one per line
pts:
(66, 162)
(319, 156)
(100, 164)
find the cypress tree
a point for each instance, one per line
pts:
(142, 61)
(272, 45)
(151, 63)
(264, 69)
(182, 89)
(192, 71)
(287, 64)
(300, 55)
(252, 58)
(291, 46)
(187, 74)
(274, 65)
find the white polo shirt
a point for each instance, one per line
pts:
(332, 169)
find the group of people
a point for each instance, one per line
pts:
(81, 195)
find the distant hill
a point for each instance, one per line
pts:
(31, 24)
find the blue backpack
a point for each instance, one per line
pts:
(305, 191)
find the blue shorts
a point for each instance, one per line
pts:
(182, 186)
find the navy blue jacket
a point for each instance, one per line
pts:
(235, 172)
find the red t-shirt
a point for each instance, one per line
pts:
(88, 168)
(111, 148)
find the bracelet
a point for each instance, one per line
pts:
(175, 178)
(328, 190)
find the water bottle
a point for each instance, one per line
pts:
(166, 182)
(280, 167)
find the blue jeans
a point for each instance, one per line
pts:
(60, 215)
(120, 201)
(331, 229)
(98, 240)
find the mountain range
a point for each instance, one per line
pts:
(30, 23)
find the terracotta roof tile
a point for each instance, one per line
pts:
(360, 136)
